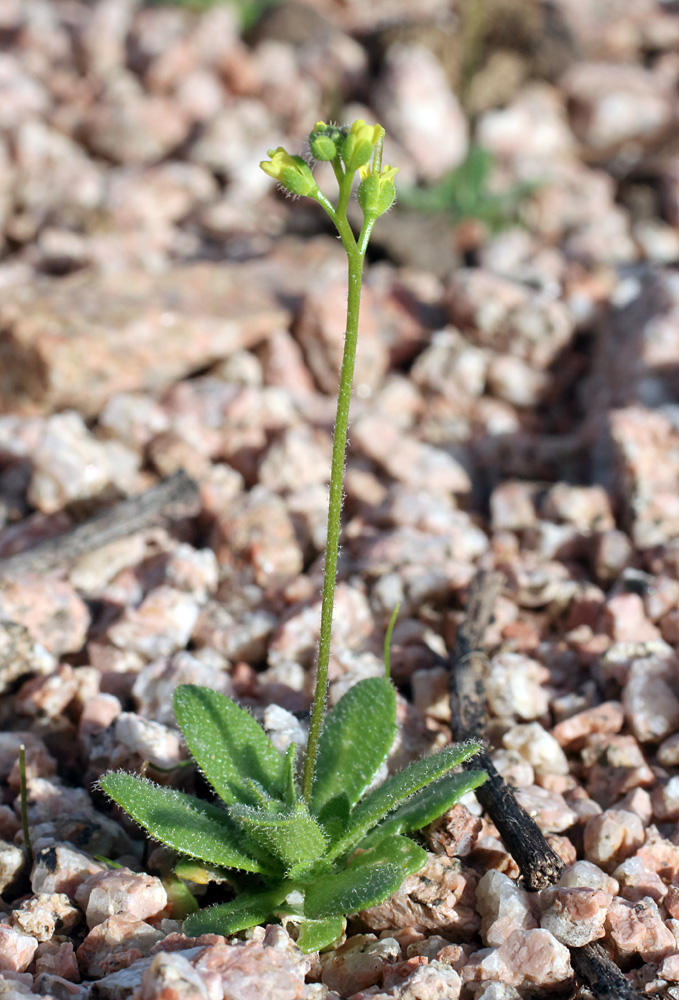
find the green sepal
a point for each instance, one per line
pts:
(314, 935)
(245, 911)
(370, 879)
(180, 821)
(292, 835)
(228, 745)
(426, 805)
(395, 790)
(356, 737)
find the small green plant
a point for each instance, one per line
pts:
(312, 851)
(464, 193)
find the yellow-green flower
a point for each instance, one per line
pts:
(359, 144)
(292, 172)
(376, 191)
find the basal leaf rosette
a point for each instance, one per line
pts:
(306, 864)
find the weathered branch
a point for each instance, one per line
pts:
(175, 497)
(539, 865)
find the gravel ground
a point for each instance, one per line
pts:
(164, 309)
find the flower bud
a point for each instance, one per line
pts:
(292, 172)
(325, 140)
(358, 146)
(376, 191)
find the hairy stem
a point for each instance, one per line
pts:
(355, 258)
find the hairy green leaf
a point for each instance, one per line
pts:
(395, 790)
(182, 822)
(317, 934)
(245, 911)
(228, 745)
(370, 879)
(291, 835)
(357, 735)
(426, 805)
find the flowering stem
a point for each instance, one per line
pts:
(355, 257)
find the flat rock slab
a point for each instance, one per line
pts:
(75, 342)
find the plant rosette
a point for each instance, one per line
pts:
(308, 864)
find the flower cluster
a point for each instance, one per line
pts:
(357, 147)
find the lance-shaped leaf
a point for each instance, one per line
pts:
(356, 737)
(317, 934)
(370, 879)
(228, 745)
(426, 805)
(291, 835)
(183, 822)
(395, 790)
(245, 911)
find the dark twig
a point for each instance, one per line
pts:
(539, 865)
(177, 496)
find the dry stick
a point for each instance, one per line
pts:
(539, 865)
(177, 496)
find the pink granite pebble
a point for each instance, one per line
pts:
(612, 837)
(638, 928)
(121, 891)
(16, 949)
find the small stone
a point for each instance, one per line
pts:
(45, 914)
(612, 837)
(668, 751)
(145, 739)
(12, 862)
(57, 959)
(605, 718)
(638, 928)
(162, 623)
(514, 768)
(61, 868)
(504, 908)
(116, 943)
(171, 974)
(455, 833)
(155, 683)
(121, 891)
(651, 706)
(574, 915)
(20, 654)
(195, 571)
(514, 686)
(637, 881)
(358, 963)
(526, 958)
(69, 464)
(665, 801)
(538, 747)
(549, 809)
(439, 898)
(50, 609)
(48, 696)
(585, 875)
(256, 531)
(16, 949)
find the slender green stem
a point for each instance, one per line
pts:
(355, 258)
(24, 804)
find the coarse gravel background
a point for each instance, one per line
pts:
(516, 407)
